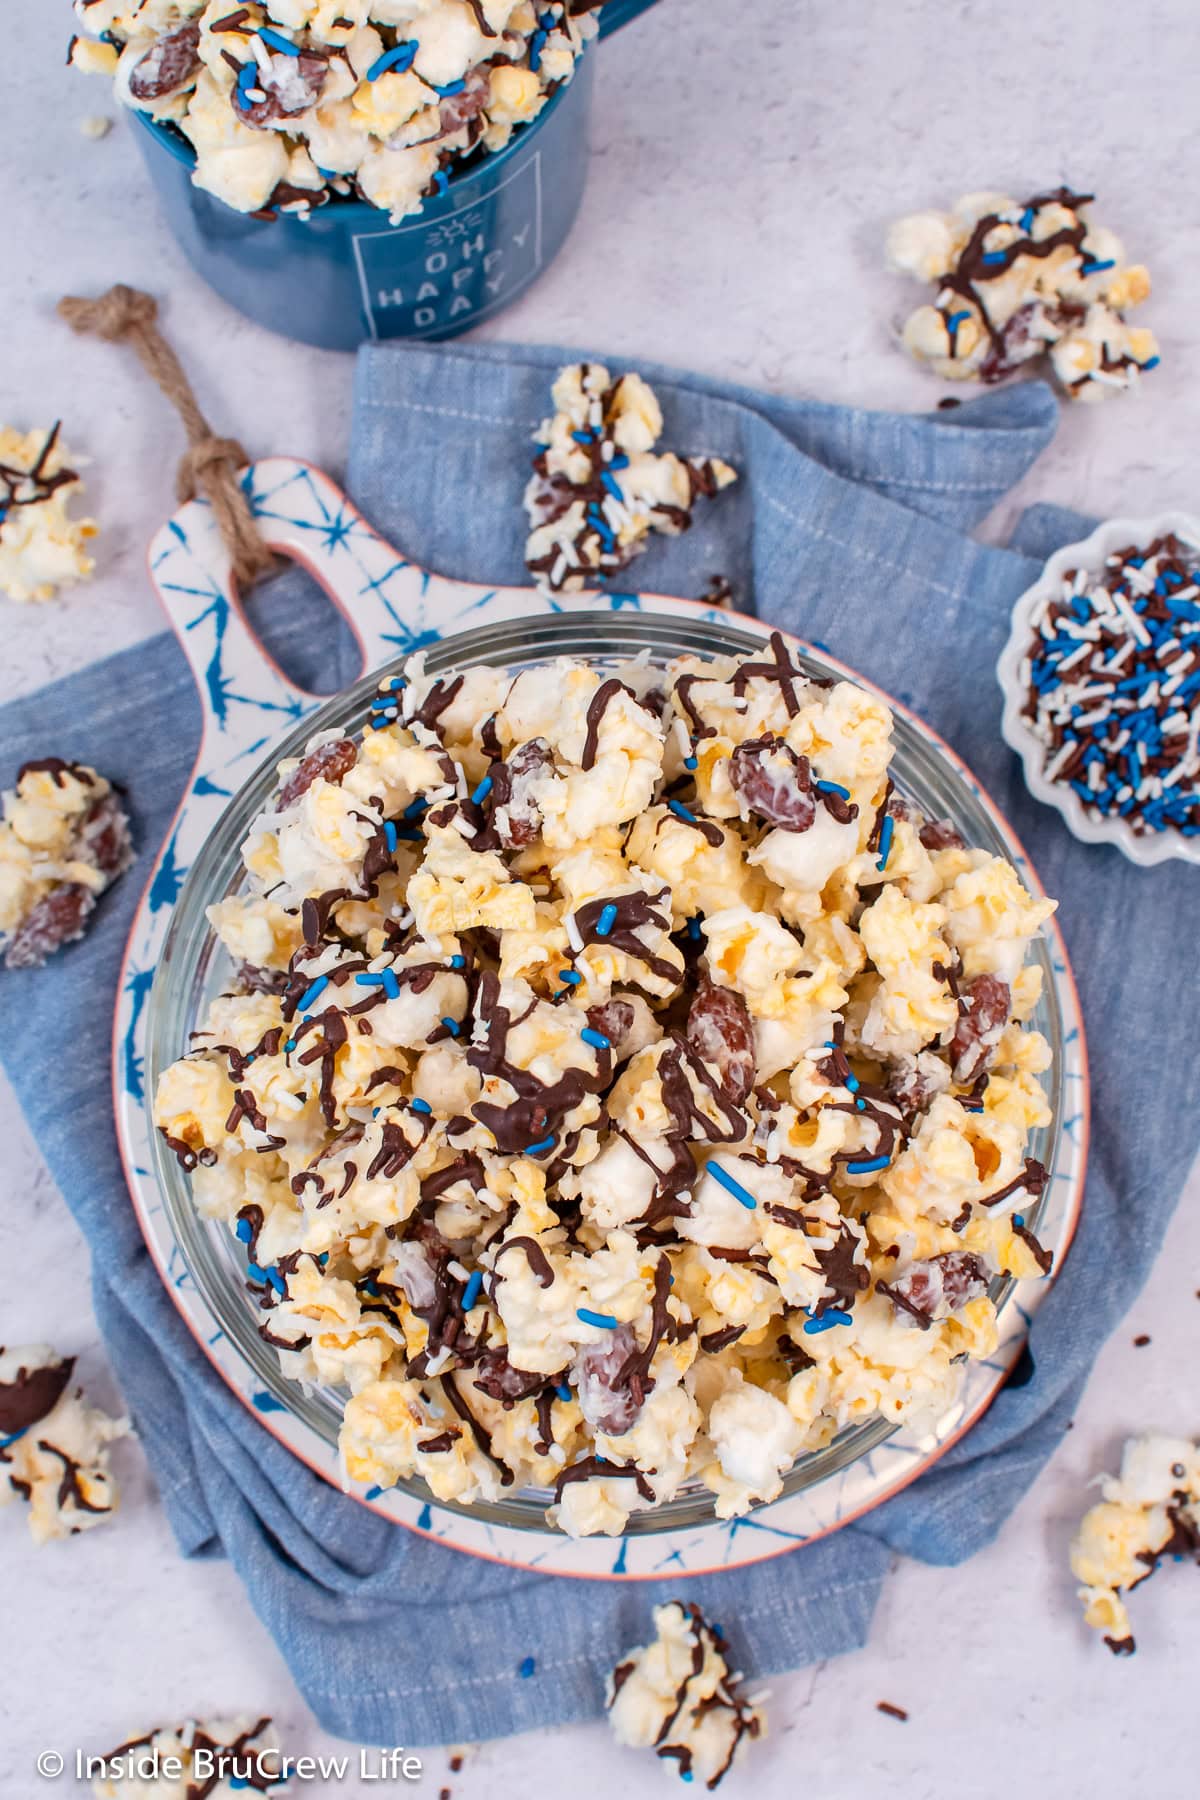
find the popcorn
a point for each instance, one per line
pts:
(1020, 280)
(53, 1445)
(679, 1697)
(291, 104)
(64, 839)
(218, 1759)
(555, 1142)
(41, 545)
(1150, 1511)
(597, 489)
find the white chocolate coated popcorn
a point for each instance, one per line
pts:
(679, 1698)
(54, 1445)
(1151, 1510)
(578, 1152)
(291, 103)
(64, 839)
(598, 488)
(41, 545)
(1019, 280)
(218, 1759)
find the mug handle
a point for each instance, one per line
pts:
(621, 12)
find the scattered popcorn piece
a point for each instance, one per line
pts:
(1018, 280)
(64, 839)
(678, 1697)
(219, 1760)
(95, 126)
(598, 490)
(53, 1445)
(1150, 1511)
(41, 545)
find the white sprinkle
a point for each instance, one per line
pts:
(294, 1102)
(1076, 656)
(1092, 718)
(1131, 619)
(557, 1454)
(458, 1272)
(1124, 793)
(1177, 774)
(256, 95)
(261, 54)
(1178, 721)
(438, 1363)
(1095, 779)
(1063, 756)
(464, 827)
(574, 937)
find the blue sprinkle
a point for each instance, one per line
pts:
(995, 256)
(572, 977)
(604, 1321)
(742, 1195)
(373, 1288)
(472, 1290)
(861, 1105)
(401, 59)
(596, 1039)
(955, 319)
(415, 810)
(372, 1493)
(1027, 218)
(619, 462)
(255, 1272)
(391, 986)
(314, 993)
(395, 683)
(685, 1775)
(420, 1106)
(452, 1025)
(1095, 268)
(681, 812)
(582, 437)
(563, 1391)
(389, 836)
(451, 87)
(277, 41)
(832, 787)
(369, 980)
(323, 1258)
(607, 920)
(546, 1143)
(690, 762)
(612, 485)
(852, 1083)
(1151, 362)
(827, 1320)
(1018, 1220)
(458, 962)
(693, 926)
(291, 1044)
(527, 1667)
(867, 1168)
(244, 1230)
(441, 182)
(536, 46)
(885, 842)
(277, 1282)
(482, 791)
(6, 1441)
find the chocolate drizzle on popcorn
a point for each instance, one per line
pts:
(1019, 280)
(598, 491)
(554, 1100)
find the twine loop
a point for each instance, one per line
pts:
(211, 464)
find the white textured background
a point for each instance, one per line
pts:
(748, 155)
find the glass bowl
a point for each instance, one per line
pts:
(194, 968)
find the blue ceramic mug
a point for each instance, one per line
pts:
(344, 274)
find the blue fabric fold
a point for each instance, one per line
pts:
(850, 528)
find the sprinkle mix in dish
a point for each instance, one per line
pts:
(1018, 280)
(598, 490)
(1112, 678)
(1151, 1511)
(679, 1698)
(41, 545)
(292, 103)
(622, 1086)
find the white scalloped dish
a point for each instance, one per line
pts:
(1146, 848)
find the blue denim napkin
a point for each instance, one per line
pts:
(850, 528)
